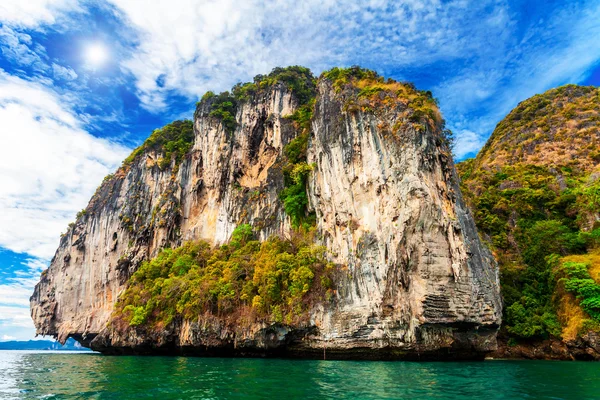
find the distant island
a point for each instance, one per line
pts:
(70, 345)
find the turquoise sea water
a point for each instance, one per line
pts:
(44, 375)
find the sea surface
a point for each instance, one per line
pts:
(73, 375)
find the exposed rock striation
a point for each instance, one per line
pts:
(389, 207)
(418, 281)
(225, 179)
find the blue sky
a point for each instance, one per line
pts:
(83, 82)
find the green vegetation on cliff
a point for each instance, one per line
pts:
(223, 106)
(534, 190)
(371, 92)
(244, 281)
(296, 171)
(173, 141)
(579, 282)
(299, 80)
(578, 292)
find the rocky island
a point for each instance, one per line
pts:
(293, 216)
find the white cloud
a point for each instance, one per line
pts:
(15, 291)
(494, 58)
(14, 299)
(31, 13)
(63, 73)
(8, 337)
(12, 316)
(16, 47)
(190, 46)
(558, 50)
(49, 166)
(216, 43)
(467, 142)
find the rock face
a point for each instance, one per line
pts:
(583, 348)
(225, 180)
(388, 207)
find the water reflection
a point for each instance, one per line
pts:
(44, 375)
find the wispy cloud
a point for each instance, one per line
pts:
(15, 292)
(49, 166)
(487, 55)
(480, 56)
(219, 42)
(63, 73)
(536, 56)
(18, 47)
(33, 13)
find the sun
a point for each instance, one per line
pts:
(96, 54)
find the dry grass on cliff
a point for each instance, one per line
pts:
(419, 105)
(592, 259)
(364, 90)
(573, 318)
(570, 314)
(559, 127)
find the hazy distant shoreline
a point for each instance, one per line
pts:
(43, 345)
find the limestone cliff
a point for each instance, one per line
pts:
(388, 209)
(388, 205)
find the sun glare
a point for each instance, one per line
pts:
(96, 54)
